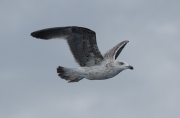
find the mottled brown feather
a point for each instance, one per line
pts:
(116, 50)
(82, 43)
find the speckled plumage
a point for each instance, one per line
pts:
(82, 43)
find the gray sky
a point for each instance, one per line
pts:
(30, 87)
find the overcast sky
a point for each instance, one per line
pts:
(30, 87)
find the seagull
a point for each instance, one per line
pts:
(82, 43)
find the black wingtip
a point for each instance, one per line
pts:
(39, 34)
(33, 34)
(123, 43)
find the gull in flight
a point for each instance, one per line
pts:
(82, 43)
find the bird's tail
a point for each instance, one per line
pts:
(68, 74)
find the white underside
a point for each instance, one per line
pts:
(106, 70)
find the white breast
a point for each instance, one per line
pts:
(104, 71)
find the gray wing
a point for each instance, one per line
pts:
(116, 50)
(82, 43)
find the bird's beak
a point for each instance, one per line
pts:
(130, 67)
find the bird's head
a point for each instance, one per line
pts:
(123, 65)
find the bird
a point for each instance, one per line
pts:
(82, 43)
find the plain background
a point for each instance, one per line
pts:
(30, 87)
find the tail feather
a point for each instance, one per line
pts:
(68, 74)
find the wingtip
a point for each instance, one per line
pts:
(37, 35)
(33, 34)
(127, 41)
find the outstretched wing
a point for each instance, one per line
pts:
(82, 43)
(116, 50)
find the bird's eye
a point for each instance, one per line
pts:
(121, 63)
